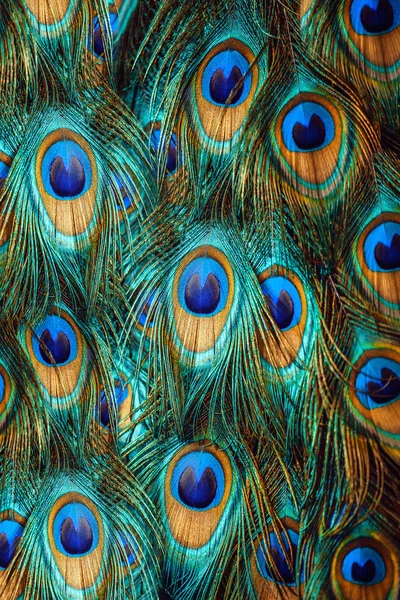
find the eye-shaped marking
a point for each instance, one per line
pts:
(98, 44)
(197, 487)
(76, 538)
(172, 156)
(10, 535)
(203, 287)
(130, 553)
(273, 564)
(54, 341)
(12, 526)
(121, 402)
(202, 296)
(373, 34)
(378, 254)
(374, 392)
(66, 176)
(66, 170)
(75, 530)
(224, 81)
(284, 570)
(308, 126)
(198, 481)
(7, 394)
(378, 383)
(225, 86)
(371, 17)
(310, 143)
(364, 567)
(287, 304)
(59, 357)
(144, 318)
(5, 164)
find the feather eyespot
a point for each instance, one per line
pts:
(129, 553)
(274, 562)
(225, 86)
(363, 566)
(373, 33)
(98, 34)
(203, 290)
(374, 392)
(119, 403)
(59, 356)
(159, 145)
(11, 531)
(55, 342)
(370, 17)
(285, 572)
(307, 127)
(287, 305)
(66, 175)
(76, 539)
(311, 145)
(5, 164)
(378, 254)
(198, 484)
(6, 395)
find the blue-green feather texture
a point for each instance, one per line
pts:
(199, 299)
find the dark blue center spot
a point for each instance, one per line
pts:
(77, 541)
(311, 136)
(69, 181)
(363, 573)
(379, 19)
(202, 300)
(54, 351)
(7, 549)
(197, 494)
(282, 311)
(172, 155)
(221, 87)
(282, 566)
(388, 257)
(385, 390)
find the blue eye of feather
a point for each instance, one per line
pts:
(203, 287)
(198, 481)
(378, 383)
(172, 157)
(54, 342)
(4, 169)
(307, 127)
(10, 534)
(382, 247)
(2, 388)
(363, 566)
(103, 415)
(98, 45)
(286, 573)
(143, 319)
(126, 200)
(131, 550)
(75, 530)
(66, 170)
(223, 82)
(374, 17)
(283, 300)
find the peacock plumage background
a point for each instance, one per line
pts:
(200, 299)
